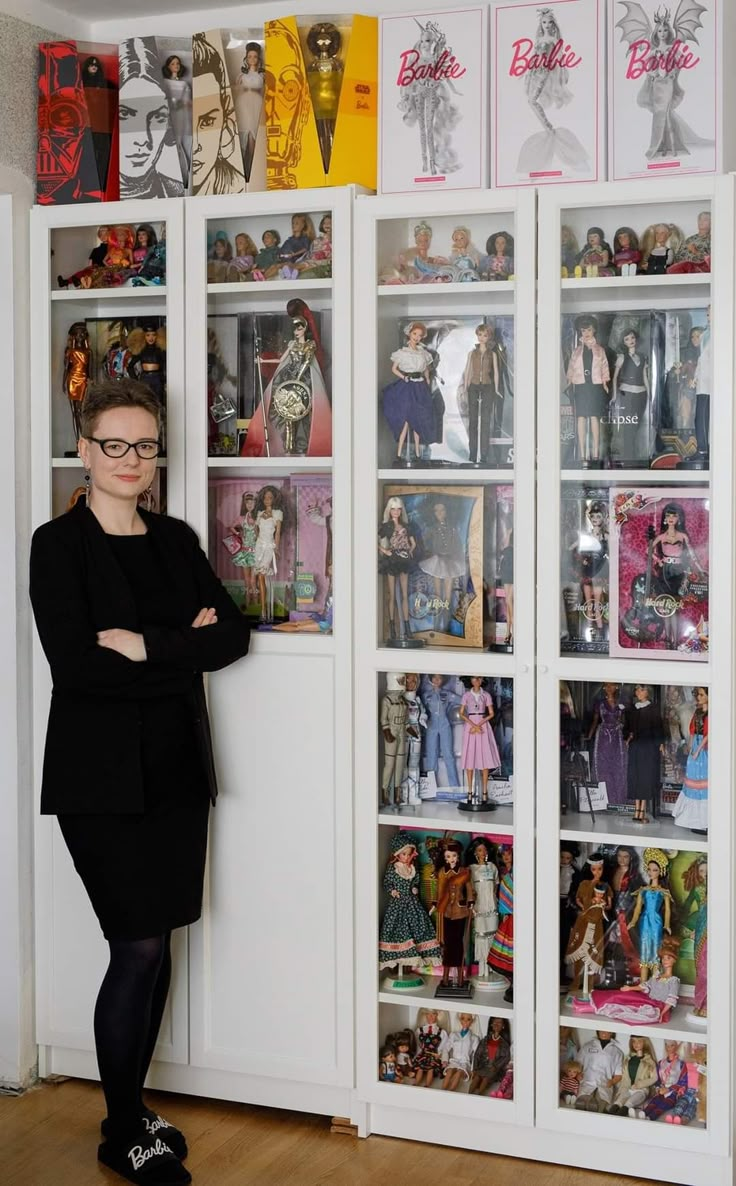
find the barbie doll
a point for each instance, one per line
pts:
(499, 260)
(484, 879)
(179, 93)
(609, 755)
(481, 382)
(645, 742)
(218, 258)
(586, 946)
(432, 1037)
(694, 255)
(596, 258)
(77, 362)
(407, 401)
(439, 700)
(588, 374)
(546, 86)
(459, 1052)
(654, 908)
(145, 239)
(625, 880)
(695, 922)
(501, 955)
(406, 937)
(454, 906)
(602, 1060)
(626, 253)
(394, 712)
(416, 721)
(660, 243)
(638, 1077)
(590, 555)
(396, 547)
(480, 751)
(648, 1003)
(96, 260)
(269, 524)
(242, 262)
(703, 386)
(672, 557)
(492, 1056)
(245, 533)
(248, 97)
(672, 1083)
(464, 256)
(631, 390)
(444, 560)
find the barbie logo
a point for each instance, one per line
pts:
(644, 59)
(559, 57)
(414, 69)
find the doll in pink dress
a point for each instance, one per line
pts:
(480, 751)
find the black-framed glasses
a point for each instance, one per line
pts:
(112, 447)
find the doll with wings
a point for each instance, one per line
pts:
(658, 51)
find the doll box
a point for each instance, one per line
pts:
(547, 92)
(149, 159)
(232, 158)
(294, 132)
(77, 154)
(669, 86)
(433, 101)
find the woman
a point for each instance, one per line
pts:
(248, 89)
(144, 127)
(133, 617)
(217, 164)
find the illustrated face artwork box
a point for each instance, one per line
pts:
(433, 101)
(547, 92)
(659, 549)
(665, 71)
(149, 160)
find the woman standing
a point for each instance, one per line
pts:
(132, 618)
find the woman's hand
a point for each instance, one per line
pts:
(125, 642)
(205, 617)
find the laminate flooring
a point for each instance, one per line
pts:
(49, 1137)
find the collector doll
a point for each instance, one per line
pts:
(569, 251)
(444, 560)
(269, 525)
(660, 244)
(153, 269)
(416, 722)
(609, 757)
(179, 94)
(596, 257)
(248, 99)
(638, 1077)
(439, 701)
(317, 263)
(695, 922)
(294, 248)
(590, 558)
(396, 547)
(77, 362)
(631, 391)
(267, 256)
(454, 906)
(393, 718)
(602, 1060)
(407, 401)
(626, 253)
(432, 1035)
(499, 261)
(459, 1052)
(241, 264)
(672, 558)
(480, 751)
(645, 743)
(588, 374)
(570, 1076)
(241, 544)
(647, 1003)
(117, 266)
(625, 879)
(492, 1056)
(149, 364)
(654, 907)
(484, 879)
(405, 1044)
(586, 946)
(407, 937)
(672, 1083)
(481, 382)
(219, 258)
(703, 385)
(694, 254)
(501, 955)
(145, 239)
(96, 260)
(465, 258)
(324, 75)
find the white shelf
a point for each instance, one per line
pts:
(485, 1004)
(678, 1028)
(472, 288)
(290, 288)
(446, 661)
(612, 828)
(636, 477)
(688, 280)
(454, 473)
(290, 642)
(277, 466)
(446, 816)
(148, 291)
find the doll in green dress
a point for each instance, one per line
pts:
(407, 936)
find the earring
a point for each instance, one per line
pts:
(86, 487)
(147, 499)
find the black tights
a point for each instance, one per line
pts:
(128, 1014)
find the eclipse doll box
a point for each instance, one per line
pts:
(547, 92)
(433, 101)
(670, 86)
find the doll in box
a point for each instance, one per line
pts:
(673, 1083)
(148, 363)
(672, 558)
(432, 1036)
(269, 522)
(243, 538)
(428, 103)
(588, 374)
(694, 254)
(179, 93)
(454, 906)
(242, 262)
(570, 1076)
(459, 1052)
(492, 1056)
(407, 937)
(626, 253)
(439, 700)
(660, 244)
(638, 1077)
(631, 391)
(546, 85)
(481, 382)
(596, 258)
(396, 547)
(215, 137)
(248, 97)
(77, 362)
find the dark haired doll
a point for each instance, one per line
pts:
(145, 239)
(499, 261)
(492, 1056)
(588, 374)
(248, 97)
(100, 95)
(455, 899)
(268, 255)
(626, 253)
(596, 253)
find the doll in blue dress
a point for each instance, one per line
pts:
(652, 912)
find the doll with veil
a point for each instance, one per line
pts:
(294, 416)
(427, 103)
(547, 89)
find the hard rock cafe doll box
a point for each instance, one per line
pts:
(670, 81)
(320, 101)
(547, 92)
(433, 101)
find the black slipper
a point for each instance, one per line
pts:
(155, 1125)
(144, 1160)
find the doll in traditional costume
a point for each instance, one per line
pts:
(654, 908)
(269, 524)
(248, 99)
(459, 1051)
(454, 907)
(691, 807)
(586, 946)
(492, 1056)
(481, 383)
(443, 560)
(660, 244)
(672, 1083)
(695, 922)
(501, 955)
(148, 363)
(484, 878)
(407, 937)
(694, 254)
(631, 391)
(432, 1035)
(638, 1077)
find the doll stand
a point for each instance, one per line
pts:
(694, 1019)
(492, 983)
(403, 980)
(474, 802)
(454, 992)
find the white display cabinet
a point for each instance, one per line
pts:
(455, 616)
(633, 594)
(271, 998)
(71, 954)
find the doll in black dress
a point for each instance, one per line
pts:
(130, 615)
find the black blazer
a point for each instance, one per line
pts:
(92, 761)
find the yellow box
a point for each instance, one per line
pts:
(293, 153)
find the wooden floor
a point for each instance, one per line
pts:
(49, 1137)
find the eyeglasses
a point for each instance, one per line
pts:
(146, 450)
